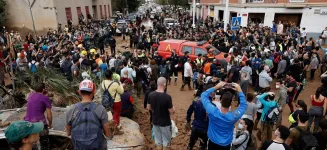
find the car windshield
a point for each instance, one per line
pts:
(215, 51)
(170, 21)
(120, 25)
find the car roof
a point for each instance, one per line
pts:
(190, 43)
(169, 19)
(173, 41)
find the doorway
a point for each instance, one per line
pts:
(220, 15)
(256, 18)
(68, 14)
(288, 18)
(95, 12)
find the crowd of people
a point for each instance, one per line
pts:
(255, 56)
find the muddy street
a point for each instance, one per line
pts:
(183, 99)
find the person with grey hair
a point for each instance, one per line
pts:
(161, 106)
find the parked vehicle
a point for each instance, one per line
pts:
(119, 26)
(182, 46)
(170, 23)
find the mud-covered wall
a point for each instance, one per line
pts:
(19, 18)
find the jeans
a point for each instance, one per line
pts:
(102, 51)
(113, 50)
(214, 146)
(315, 113)
(187, 80)
(312, 74)
(195, 134)
(162, 135)
(44, 138)
(290, 102)
(138, 86)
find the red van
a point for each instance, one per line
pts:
(182, 46)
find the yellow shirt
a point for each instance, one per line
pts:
(115, 88)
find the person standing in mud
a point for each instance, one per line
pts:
(160, 103)
(38, 103)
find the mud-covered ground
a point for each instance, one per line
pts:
(183, 99)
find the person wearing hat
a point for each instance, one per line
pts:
(21, 135)
(79, 118)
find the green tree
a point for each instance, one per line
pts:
(161, 2)
(183, 3)
(3, 13)
(120, 5)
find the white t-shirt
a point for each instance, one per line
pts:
(187, 66)
(303, 33)
(271, 145)
(324, 33)
(112, 63)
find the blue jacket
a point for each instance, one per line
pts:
(256, 63)
(213, 69)
(221, 125)
(200, 121)
(267, 105)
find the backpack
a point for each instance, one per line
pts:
(86, 128)
(107, 101)
(33, 68)
(272, 116)
(276, 60)
(251, 145)
(117, 64)
(234, 147)
(66, 68)
(154, 72)
(307, 140)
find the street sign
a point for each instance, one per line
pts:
(236, 23)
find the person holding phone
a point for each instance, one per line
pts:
(222, 121)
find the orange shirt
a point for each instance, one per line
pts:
(206, 68)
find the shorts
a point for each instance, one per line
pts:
(174, 72)
(162, 135)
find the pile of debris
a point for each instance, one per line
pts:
(63, 94)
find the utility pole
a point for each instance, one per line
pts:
(193, 25)
(30, 5)
(226, 15)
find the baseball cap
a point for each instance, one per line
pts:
(21, 129)
(87, 85)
